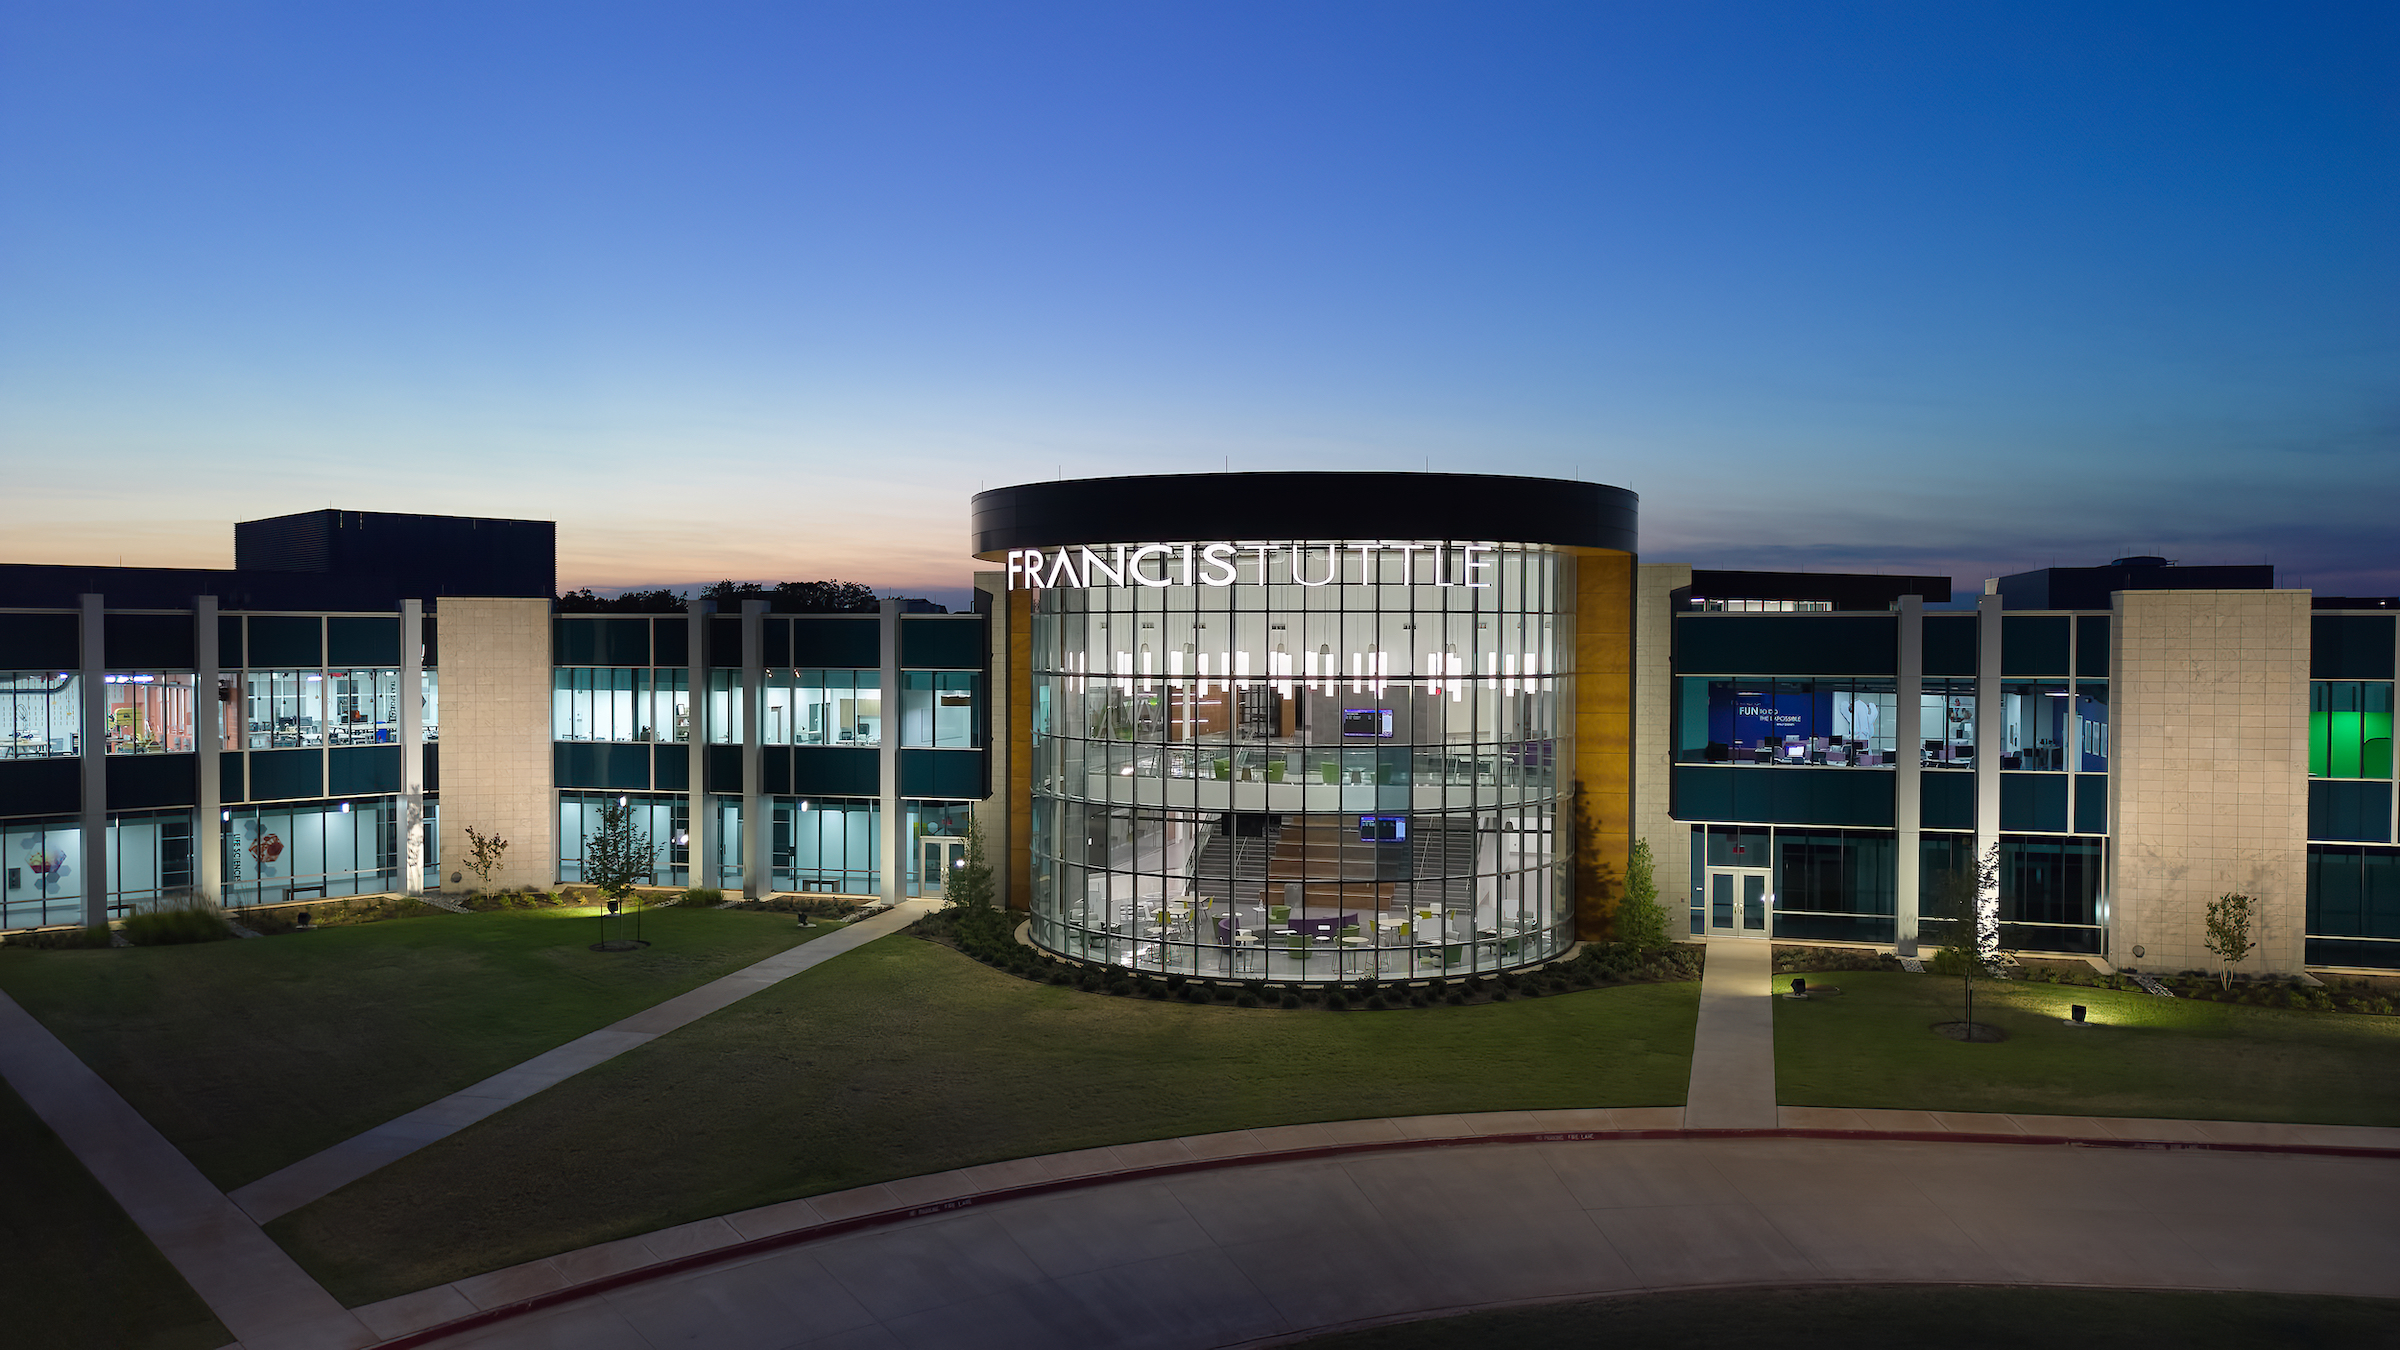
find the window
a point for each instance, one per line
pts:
(815, 706)
(620, 703)
(273, 854)
(39, 714)
(826, 844)
(2033, 726)
(2350, 729)
(1750, 719)
(937, 708)
(663, 820)
(149, 712)
(362, 707)
(2091, 724)
(1763, 606)
(286, 708)
(43, 864)
(1947, 724)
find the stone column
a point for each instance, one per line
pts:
(1661, 589)
(92, 663)
(412, 747)
(208, 725)
(895, 841)
(700, 832)
(2208, 773)
(757, 822)
(1001, 737)
(1908, 777)
(1987, 722)
(497, 761)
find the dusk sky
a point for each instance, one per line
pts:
(769, 291)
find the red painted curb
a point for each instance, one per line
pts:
(836, 1227)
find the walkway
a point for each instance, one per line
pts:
(1733, 1048)
(261, 1295)
(1198, 1257)
(214, 1241)
(321, 1174)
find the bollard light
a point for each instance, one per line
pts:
(612, 906)
(1800, 989)
(2075, 1011)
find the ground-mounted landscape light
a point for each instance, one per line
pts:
(2075, 1015)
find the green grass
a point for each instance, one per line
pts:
(904, 1058)
(2148, 1057)
(251, 1055)
(78, 1273)
(1854, 1317)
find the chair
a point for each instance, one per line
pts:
(1279, 914)
(1275, 768)
(1331, 771)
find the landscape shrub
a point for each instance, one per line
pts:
(168, 927)
(701, 897)
(62, 939)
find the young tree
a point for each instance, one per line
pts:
(2229, 933)
(1640, 921)
(1598, 888)
(484, 852)
(1969, 898)
(969, 885)
(618, 856)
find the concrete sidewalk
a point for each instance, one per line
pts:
(1733, 1048)
(321, 1174)
(1195, 1260)
(260, 1294)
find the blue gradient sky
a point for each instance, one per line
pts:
(768, 291)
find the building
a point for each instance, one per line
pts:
(272, 733)
(1294, 726)
(1311, 726)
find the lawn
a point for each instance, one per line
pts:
(250, 1055)
(1847, 1317)
(2149, 1056)
(78, 1272)
(904, 1058)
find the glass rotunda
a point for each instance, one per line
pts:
(1305, 755)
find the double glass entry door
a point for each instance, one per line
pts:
(1737, 901)
(940, 857)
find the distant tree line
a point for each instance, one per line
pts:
(784, 597)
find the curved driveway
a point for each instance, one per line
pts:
(1240, 1254)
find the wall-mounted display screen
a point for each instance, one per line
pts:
(1382, 829)
(1366, 721)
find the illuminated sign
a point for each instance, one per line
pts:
(1224, 564)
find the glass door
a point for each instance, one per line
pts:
(938, 857)
(1737, 901)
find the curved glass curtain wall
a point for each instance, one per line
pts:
(1355, 778)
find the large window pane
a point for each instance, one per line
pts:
(40, 714)
(1756, 720)
(2350, 729)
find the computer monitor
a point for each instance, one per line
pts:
(1794, 752)
(1366, 721)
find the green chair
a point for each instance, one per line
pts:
(1279, 913)
(1224, 770)
(1275, 769)
(1332, 771)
